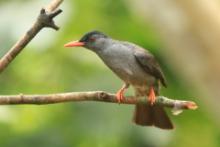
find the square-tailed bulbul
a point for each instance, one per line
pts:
(135, 66)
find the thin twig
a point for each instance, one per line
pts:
(90, 96)
(45, 19)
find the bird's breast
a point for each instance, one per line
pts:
(123, 63)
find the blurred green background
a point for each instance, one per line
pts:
(45, 66)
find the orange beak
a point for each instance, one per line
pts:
(74, 44)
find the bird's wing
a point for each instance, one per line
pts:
(150, 65)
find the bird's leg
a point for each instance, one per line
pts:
(151, 96)
(120, 93)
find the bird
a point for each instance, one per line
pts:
(135, 66)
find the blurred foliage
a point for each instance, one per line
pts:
(55, 69)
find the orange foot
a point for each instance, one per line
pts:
(120, 94)
(151, 96)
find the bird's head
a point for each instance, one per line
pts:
(93, 40)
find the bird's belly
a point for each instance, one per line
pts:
(127, 69)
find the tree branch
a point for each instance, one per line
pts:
(45, 19)
(91, 96)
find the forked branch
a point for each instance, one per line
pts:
(45, 19)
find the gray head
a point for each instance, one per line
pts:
(94, 40)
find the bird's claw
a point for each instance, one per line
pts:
(120, 95)
(151, 96)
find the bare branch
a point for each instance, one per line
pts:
(45, 19)
(90, 96)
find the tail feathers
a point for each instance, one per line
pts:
(143, 115)
(147, 115)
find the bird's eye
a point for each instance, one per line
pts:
(92, 39)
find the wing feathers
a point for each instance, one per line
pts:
(147, 61)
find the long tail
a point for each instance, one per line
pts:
(147, 115)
